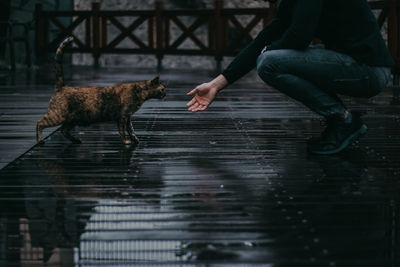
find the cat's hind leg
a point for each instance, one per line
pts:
(131, 132)
(122, 130)
(65, 130)
(50, 119)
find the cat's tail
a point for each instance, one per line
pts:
(59, 67)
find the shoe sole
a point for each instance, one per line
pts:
(363, 129)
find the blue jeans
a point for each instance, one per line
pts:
(316, 76)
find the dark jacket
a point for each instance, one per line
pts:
(345, 26)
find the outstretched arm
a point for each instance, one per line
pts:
(204, 94)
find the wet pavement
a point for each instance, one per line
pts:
(232, 186)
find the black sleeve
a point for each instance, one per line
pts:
(246, 59)
(293, 27)
(302, 29)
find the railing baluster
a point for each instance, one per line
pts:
(159, 30)
(392, 28)
(167, 37)
(104, 35)
(96, 32)
(88, 32)
(271, 14)
(150, 32)
(219, 33)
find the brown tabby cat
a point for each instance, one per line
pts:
(84, 105)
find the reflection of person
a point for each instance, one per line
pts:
(354, 61)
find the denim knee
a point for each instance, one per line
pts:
(267, 64)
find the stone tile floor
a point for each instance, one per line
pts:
(232, 186)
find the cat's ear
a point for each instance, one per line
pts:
(155, 81)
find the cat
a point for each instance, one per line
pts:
(83, 105)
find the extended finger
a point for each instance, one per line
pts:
(203, 102)
(193, 92)
(191, 102)
(200, 108)
(194, 107)
(203, 107)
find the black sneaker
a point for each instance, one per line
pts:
(337, 135)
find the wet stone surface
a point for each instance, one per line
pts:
(232, 186)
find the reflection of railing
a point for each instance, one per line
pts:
(214, 26)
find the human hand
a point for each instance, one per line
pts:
(205, 93)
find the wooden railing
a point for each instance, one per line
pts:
(212, 41)
(215, 27)
(390, 13)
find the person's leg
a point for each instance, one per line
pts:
(314, 77)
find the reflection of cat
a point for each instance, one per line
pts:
(84, 105)
(66, 183)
